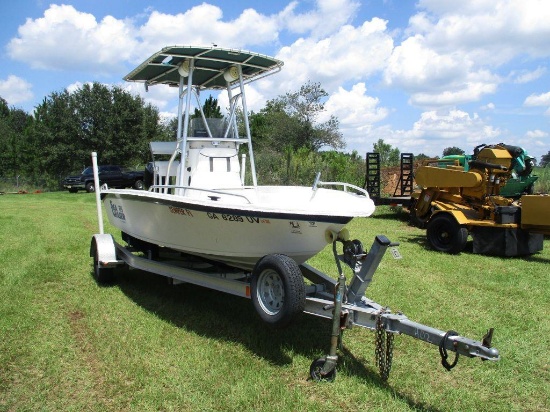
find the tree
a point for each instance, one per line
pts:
(452, 151)
(421, 157)
(13, 150)
(290, 122)
(389, 156)
(108, 120)
(210, 108)
(545, 160)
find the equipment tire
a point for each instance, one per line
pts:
(278, 290)
(445, 234)
(90, 187)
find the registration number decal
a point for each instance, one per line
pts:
(236, 218)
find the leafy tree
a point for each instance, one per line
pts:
(210, 108)
(4, 108)
(13, 150)
(110, 121)
(545, 160)
(389, 156)
(290, 122)
(421, 157)
(452, 151)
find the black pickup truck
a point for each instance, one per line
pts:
(114, 176)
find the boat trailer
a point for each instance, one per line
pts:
(347, 306)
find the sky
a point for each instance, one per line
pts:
(421, 75)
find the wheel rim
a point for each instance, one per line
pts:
(443, 236)
(270, 291)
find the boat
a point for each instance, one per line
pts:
(198, 201)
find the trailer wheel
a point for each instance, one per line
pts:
(278, 290)
(90, 187)
(317, 367)
(445, 234)
(101, 275)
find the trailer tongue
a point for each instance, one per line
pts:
(351, 307)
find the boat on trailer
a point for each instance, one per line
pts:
(199, 202)
(199, 222)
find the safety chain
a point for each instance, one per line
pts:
(443, 351)
(383, 348)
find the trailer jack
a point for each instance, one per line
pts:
(351, 307)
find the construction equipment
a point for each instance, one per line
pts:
(474, 198)
(520, 183)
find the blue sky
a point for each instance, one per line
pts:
(421, 75)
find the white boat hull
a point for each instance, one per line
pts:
(286, 220)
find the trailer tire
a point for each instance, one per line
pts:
(278, 290)
(102, 276)
(445, 234)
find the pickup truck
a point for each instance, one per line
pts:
(113, 176)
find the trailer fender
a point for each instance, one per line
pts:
(102, 246)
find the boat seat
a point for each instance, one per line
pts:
(217, 170)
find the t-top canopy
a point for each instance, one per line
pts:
(210, 65)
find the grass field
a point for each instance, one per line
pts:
(142, 345)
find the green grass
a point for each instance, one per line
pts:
(143, 345)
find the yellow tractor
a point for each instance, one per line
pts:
(455, 201)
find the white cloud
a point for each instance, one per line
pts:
(488, 106)
(350, 53)
(15, 90)
(326, 18)
(454, 49)
(66, 39)
(538, 100)
(536, 134)
(204, 25)
(434, 131)
(527, 76)
(492, 30)
(354, 108)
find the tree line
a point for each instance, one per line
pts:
(290, 144)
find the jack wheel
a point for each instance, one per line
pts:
(446, 235)
(278, 290)
(316, 369)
